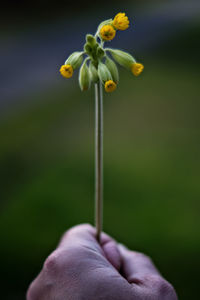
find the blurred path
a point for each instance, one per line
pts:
(29, 62)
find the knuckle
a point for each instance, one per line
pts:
(167, 290)
(141, 256)
(52, 264)
(163, 286)
(164, 290)
(62, 260)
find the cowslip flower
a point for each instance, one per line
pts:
(107, 32)
(126, 60)
(110, 86)
(121, 21)
(98, 66)
(137, 68)
(106, 77)
(66, 71)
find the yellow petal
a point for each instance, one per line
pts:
(110, 86)
(107, 32)
(66, 71)
(137, 68)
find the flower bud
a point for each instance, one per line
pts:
(75, 60)
(113, 69)
(100, 52)
(107, 32)
(121, 21)
(93, 72)
(84, 77)
(123, 58)
(104, 73)
(88, 49)
(90, 39)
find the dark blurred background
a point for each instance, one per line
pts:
(151, 142)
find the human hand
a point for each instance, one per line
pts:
(81, 269)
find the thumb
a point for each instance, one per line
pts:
(86, 235)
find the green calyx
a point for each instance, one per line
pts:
(84, 77)
(113, 69)
(121, 57)
(75, 60)
(104, 73)
(93, 72)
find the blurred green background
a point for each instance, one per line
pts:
(151, 138)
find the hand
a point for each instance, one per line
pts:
(81, 269)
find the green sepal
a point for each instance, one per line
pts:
(123, 58)
(93, 72)
(113, 69)
(84, 77)
(75, 60)
(104, 73)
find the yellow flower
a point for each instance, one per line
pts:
(107, 32)
(66, 71)
(137, 68)
(121, 21)
(110, 86)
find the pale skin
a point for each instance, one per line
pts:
(82, 269)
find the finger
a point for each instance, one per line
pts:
(85, 235)
(111, 250)
(135, 265)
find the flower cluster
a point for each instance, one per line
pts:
(98, 65)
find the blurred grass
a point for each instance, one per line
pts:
(151, 152)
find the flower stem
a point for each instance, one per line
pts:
(98, 159)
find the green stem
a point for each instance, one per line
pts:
(98, 158)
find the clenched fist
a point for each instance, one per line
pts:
(82, 269)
